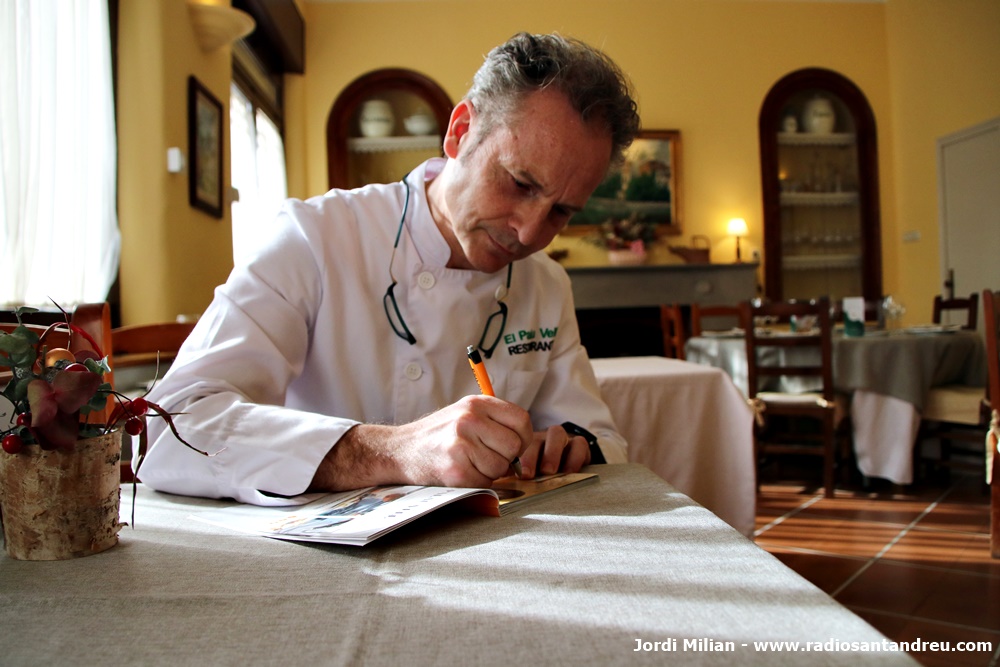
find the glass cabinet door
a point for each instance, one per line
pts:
(821, 223)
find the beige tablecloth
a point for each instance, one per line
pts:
(690, 425)
(581, 578)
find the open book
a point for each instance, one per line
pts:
(361, 516)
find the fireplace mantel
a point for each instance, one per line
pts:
(651, 285)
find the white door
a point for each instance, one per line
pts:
(969, 200)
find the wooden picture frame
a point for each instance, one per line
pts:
(205, 126)
(646, 186)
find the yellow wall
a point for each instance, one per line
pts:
(173, 255)
(928, 67)
(944, 64)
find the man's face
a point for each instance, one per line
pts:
(509, 193)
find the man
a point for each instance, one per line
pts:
(303, 383)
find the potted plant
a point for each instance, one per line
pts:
(626, 240)
(59, 469)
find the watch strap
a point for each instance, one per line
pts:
(596, 455)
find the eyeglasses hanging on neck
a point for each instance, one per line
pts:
(495, 323)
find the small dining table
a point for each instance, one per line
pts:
(690, 425)
(627, 571)
(887, 376)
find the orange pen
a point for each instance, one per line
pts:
(486, 387)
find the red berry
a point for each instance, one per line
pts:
(138, 407)
(12, 443)
(134, 426)
(77, 368)
(24, 419)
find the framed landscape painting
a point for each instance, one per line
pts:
(646, 187)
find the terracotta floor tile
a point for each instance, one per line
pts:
(778, 505)
(900, 512)
(937, 583)
(892, 587)
(966, 599)
(961, 517)
(967, 552)
(903, 629)
(836, 537)
(828, 573)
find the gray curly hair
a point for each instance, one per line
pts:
(594, 85)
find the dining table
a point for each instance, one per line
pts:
(690, 425)
(625, 571)
(886, 375)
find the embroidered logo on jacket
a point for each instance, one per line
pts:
(524, 341)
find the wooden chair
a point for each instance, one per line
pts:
(956, 414)
(141, 353)
(991, 313)
(672, 327)
(730, 316)
(969, 308)
(792, 423)
(142, 344)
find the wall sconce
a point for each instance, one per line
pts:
(738, 228)
(216, 25)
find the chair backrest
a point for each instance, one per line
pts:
(775, 353)
(94, 320)
(969, 307)
(672, 326)
(728, 316)
(140, 344)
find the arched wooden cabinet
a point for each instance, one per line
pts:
(354, 159)
(819, 171)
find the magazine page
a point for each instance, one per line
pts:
(360, 516)
(352, 517)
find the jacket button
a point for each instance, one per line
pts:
(425, 280)
(413, 371)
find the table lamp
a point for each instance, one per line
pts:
(738, 228)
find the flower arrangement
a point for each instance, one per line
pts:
(60, 481)
(625, 234)
(53, 390)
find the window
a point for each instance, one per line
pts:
(258, 165)
(59, 238)
(257, 153)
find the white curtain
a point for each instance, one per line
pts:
(58, 224)
(258, 166)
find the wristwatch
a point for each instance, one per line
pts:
(596, 455)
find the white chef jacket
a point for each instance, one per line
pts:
(296, 349)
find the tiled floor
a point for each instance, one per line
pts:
(914, 562)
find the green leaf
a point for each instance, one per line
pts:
(100, 367)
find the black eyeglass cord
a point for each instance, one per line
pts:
(389, 300)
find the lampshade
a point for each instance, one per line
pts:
(738, 227)
(216, 25)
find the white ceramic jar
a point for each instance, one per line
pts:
(419, 123)
(377, 119)
(818, 116)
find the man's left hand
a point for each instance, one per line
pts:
(559, 452)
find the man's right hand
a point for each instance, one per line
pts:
(469, 443)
